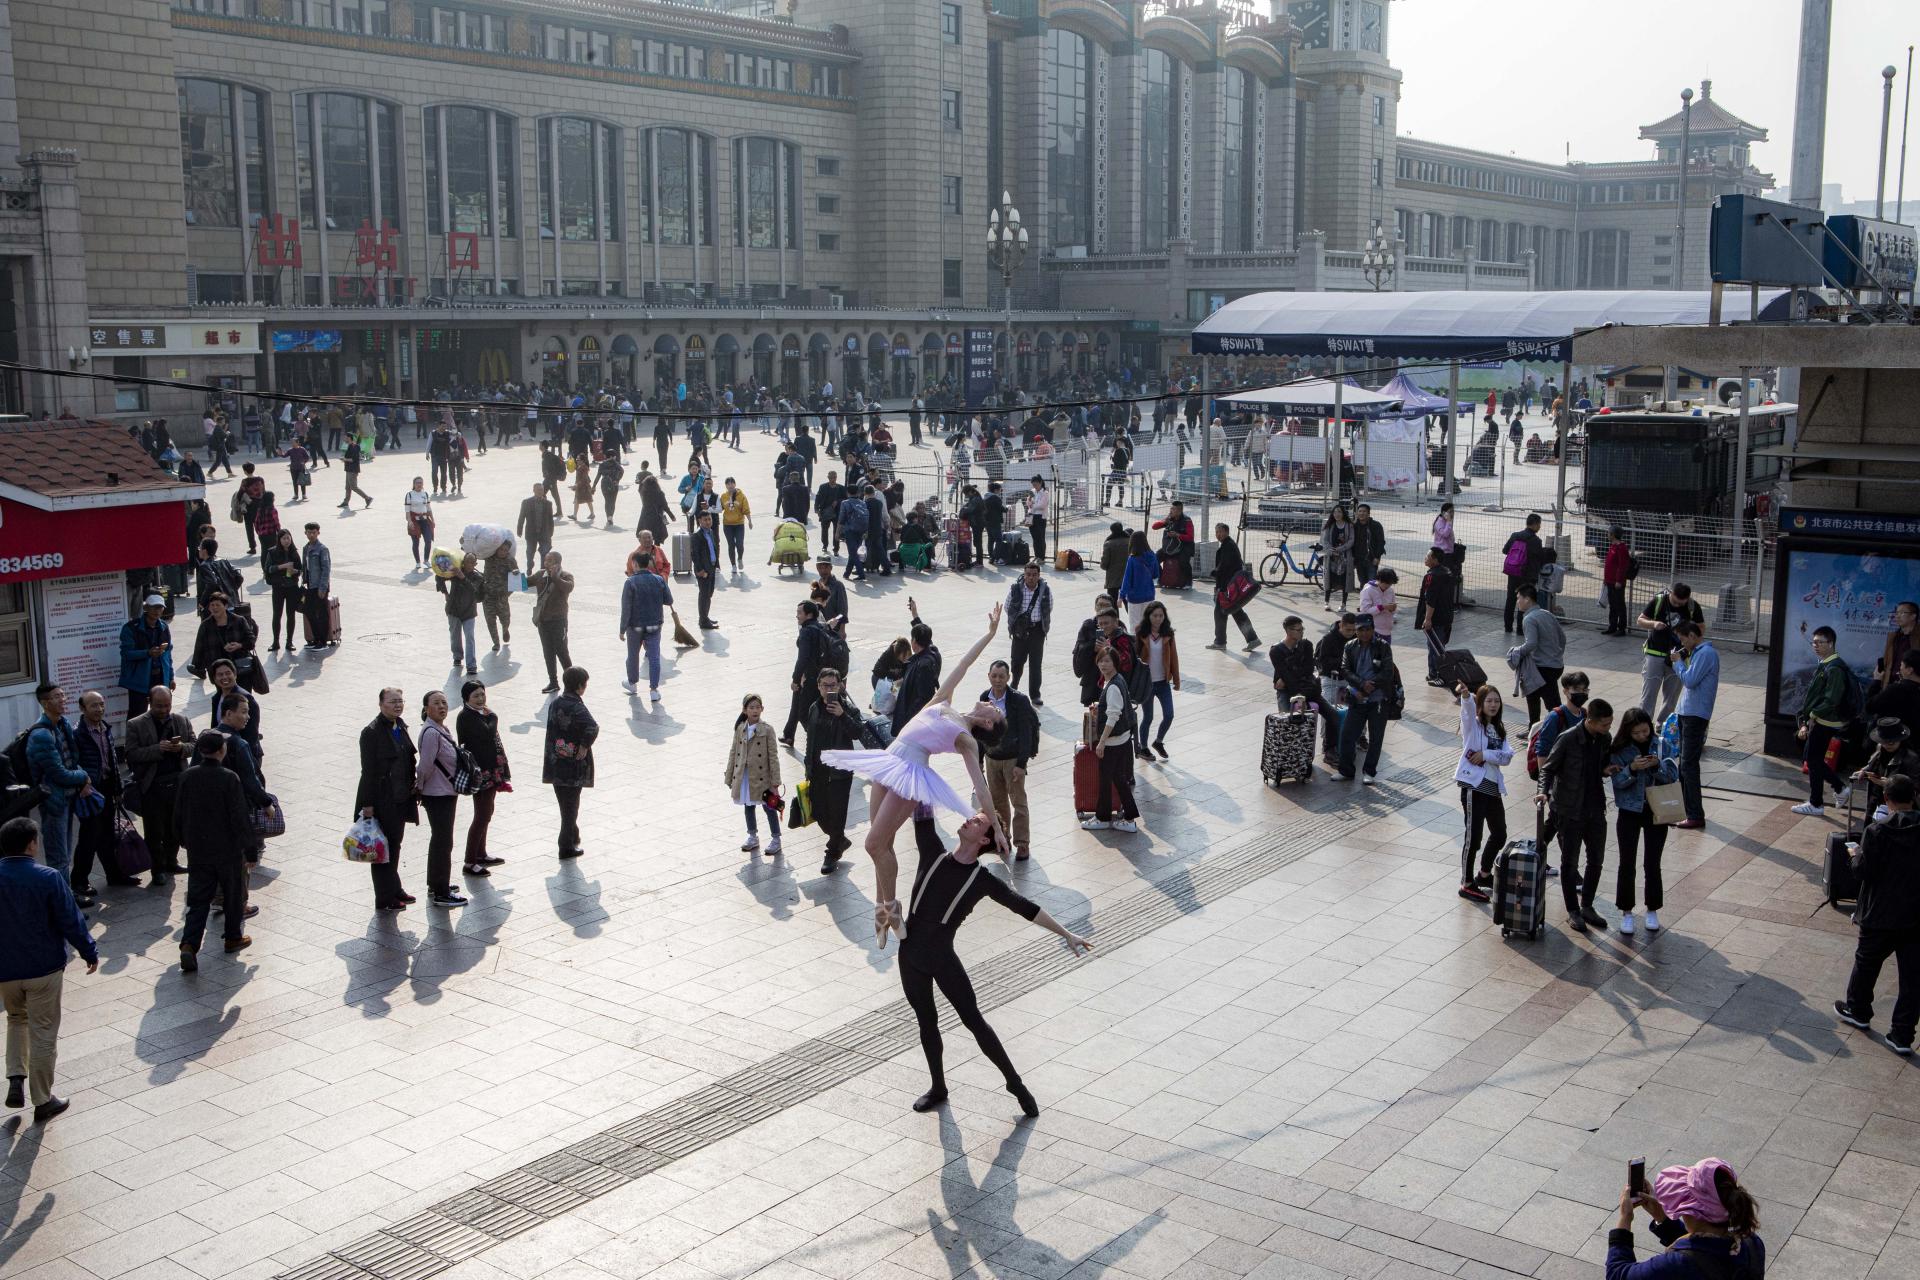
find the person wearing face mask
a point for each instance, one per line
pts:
(946, 888)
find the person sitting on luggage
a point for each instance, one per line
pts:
(1891, 755)
(1887, 862)
(1705, 1218)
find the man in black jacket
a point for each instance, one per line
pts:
(210, 820)
(1294, 674)
(1573, 787)
(1373, 688)
(921, 679)
(1529, 537)
(1326, 657)
(1029, 615)
(388, 761)
(1433, 612)
(833, 724)
(535, 526)
(993, 515)
(826, 502)
(1369, 544)
(1887, 861)
(811, 645)
(1006, 762)
(1901, 697)
(706, 567)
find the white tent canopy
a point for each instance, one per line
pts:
(1314, 398)
(1447, 324)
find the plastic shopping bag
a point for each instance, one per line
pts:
(443, 562)
(365, 842)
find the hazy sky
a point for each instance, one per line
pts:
(1531, 76)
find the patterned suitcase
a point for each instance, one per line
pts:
(1286, 750)
(1520, 886)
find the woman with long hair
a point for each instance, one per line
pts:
(1636, 749)
(1484, 747)
(903, 777)
(1700, 1210)
(280, 565)
(1153, 645)
(653, 507)
(1336, 565)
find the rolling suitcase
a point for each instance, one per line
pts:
(682, 555)
(1173, 575)
(1457, 666)
(1286, 750)
(1836, 870)
(333, 623)
(1086, 770)
(1520, 885)
(1014, 549)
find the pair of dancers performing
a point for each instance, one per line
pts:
(949, 883)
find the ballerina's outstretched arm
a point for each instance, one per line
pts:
(969, 752)
(959, 671)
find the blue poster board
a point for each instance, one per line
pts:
(979, 366)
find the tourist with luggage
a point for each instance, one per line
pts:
(1832, 701)
(1886, 860)
(1706, 1219)
(1484, 748)
(1573, 779)
(1433, 610)
(1636, 752)
(1233, 587)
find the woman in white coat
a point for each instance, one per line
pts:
(1484, 747)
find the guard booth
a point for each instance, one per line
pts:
(86, 517)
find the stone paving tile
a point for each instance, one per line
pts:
(1337, 1069)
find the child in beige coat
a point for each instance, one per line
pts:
(753, 773)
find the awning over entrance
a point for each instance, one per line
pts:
(1314, 397)
(1450, 325)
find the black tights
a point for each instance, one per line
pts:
(954, 984)
(1483, 813)
(287, 604)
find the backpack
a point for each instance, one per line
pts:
(838, 655)
(1516, 562)
(17, 758)
(858, 513)
(1083, 656)
(1533, 743)
(1633, 566)
(1851, 703)
(467, 778)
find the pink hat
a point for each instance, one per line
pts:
(1689, 1190)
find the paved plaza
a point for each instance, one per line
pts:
(1296, 1053)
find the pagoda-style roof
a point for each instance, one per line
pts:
(1709, 117)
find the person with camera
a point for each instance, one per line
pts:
(1708, 1222)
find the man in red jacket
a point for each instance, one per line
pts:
(1615, 573)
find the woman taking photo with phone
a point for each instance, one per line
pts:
(1707, 1220)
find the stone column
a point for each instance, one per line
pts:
(1125, 89)
(1205, 156)
(1276, 179)
(1311, 274)
(55, 299)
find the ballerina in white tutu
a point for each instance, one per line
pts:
(904, 779)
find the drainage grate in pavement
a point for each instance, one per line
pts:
(445, 1234)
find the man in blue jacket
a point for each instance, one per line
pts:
(643, 602)
(53, 759)
(146, 654)
(38, 922)
(1698, 666)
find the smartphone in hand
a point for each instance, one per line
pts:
(1637, 1176)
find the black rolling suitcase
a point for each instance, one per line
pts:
(1520, 884)
(1458, 666)
(1286, 748)
(1836, 871)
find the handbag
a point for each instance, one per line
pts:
(129, 847)
(1238, 589)
(800, 808)
(269, 821)
(1666, 804)
(365, 842)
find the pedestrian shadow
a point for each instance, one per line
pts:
(23, 1143)
(650, 721)
(979, 1232)
(576, 899)
(494, 669)
(169, 1036)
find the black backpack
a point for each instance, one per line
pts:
(837, 655)
(17, 757)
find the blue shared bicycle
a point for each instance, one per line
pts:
(1280, 565)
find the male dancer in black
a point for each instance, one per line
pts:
(946, 888)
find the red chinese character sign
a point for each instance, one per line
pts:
(278, 242)
(463, 251)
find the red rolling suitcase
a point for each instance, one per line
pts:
(1086, 769)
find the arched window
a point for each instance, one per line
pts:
(215, 160)
(680, 168)
(1158, 119)
(348, 150)
(581, 158)
(768, 171)
(1237, 91)
(470, 170)
(1070, 145)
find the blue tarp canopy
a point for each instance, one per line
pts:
(1414, 402)
(1446, 324)
(1314, 398)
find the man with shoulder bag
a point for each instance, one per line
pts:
(1887, 861)
(833, 724)
(1029, 617)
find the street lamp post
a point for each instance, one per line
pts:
(1680, 229)
(1377, 262)
(1006, 252)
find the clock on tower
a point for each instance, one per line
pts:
(1372, 21)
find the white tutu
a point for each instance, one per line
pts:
(904, 767)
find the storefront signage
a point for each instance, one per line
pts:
(306, 341)
(1808, 522)
(83, 617)
(36, 544)
(953, 344)
(179, 338)
(979, 366)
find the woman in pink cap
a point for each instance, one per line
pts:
(1705, 1218)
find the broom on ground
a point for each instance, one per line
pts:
(681, 636)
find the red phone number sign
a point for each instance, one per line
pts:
(64, 544)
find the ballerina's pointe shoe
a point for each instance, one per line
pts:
(896, 919)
